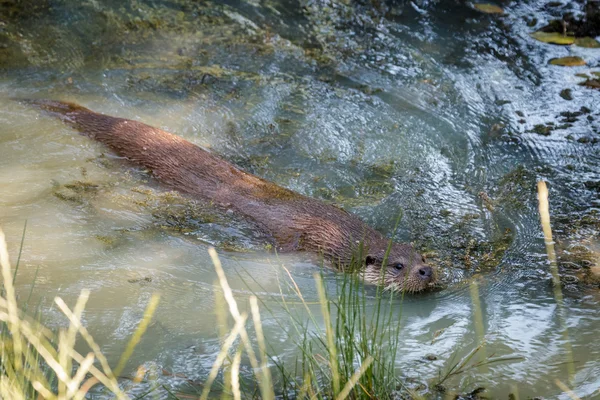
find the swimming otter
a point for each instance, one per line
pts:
(295, 222)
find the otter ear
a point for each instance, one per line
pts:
(370, 260)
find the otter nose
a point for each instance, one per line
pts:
(425, 272)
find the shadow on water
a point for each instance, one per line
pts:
(436, 110)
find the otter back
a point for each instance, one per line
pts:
(294, 221)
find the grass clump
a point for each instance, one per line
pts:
(361, 344)
(347, 346)
(38, 363)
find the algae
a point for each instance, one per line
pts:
(69, 197)
(81, 186)
(78, 192)
(142, 281)
(515, 189)
(577, 247)
(540, 129)
(173, 211)
(110, 241)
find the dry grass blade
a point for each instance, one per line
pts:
(13, 315)
(265, 382)
(137, 336)
(49, 355)
(45, 393)
(306, 384)
(544, 209)
(223, 324)
(296, 288)
(220, 312)
(354, 379)
(233, 308)
(36, 361)
(333, 359)
(111, 384)
(87, 385)
(74, 385)
(237, 328)
(67, 341)
(566, 389)
(86, 336)
(478, 317)
(235, 375)
(43, 347)
(9, 390)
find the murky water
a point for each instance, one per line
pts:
(418, 108)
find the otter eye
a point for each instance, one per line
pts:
(399, 266)
(423, 258)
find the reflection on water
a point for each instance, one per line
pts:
(402, 109)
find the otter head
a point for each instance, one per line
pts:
(404, 270)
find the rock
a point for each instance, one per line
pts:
(592, 185)
(571, 61)
(587, 42)
(532, 22)
(488, 8)
(591, 83)
(553, 37)
(566, 94)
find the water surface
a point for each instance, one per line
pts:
(416, 109)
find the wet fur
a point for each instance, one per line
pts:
(294, 222)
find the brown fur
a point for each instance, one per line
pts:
(295, 222)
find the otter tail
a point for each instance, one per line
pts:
(66, 111)
(89, 123)
(170, 157)
(54, 106)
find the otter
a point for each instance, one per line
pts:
(292, 221)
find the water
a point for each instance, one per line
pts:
(415, 108)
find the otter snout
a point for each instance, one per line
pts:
(425, 273)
